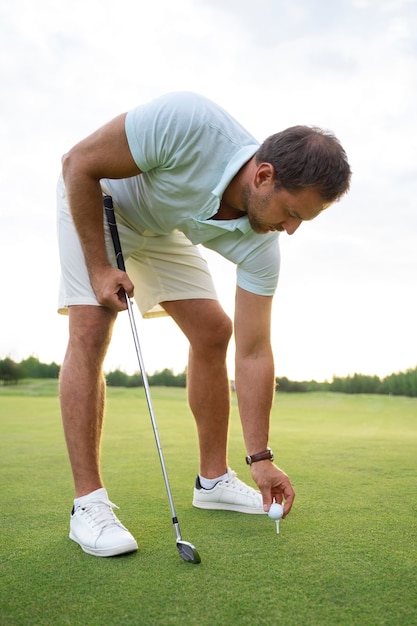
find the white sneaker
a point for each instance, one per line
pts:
(228, 495)
(95, 527)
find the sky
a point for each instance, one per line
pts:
(347, 299)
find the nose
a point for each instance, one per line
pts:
(291, 224)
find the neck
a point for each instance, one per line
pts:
(231, 203)
(227, 212)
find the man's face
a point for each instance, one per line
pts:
(269, 210)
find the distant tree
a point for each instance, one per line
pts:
(401, 383)
(10, 372)
(358, 383)
(313, 385)
(135, 380)
(290, 386)
(33, 368)
(117, 379)
(167, 378)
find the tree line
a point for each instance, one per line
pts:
(398, 384)
(11, 372)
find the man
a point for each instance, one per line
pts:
(181, 172)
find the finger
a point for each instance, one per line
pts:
(267, 499)
(289, 496)
(130, 291)
(128, 286)
(116, 305)
(121, 296)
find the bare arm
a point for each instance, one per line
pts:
(254, 367)
(104, 154)
(255, 385)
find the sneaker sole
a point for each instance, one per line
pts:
(224, 506)
(116, 551)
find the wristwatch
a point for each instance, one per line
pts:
(266, 455)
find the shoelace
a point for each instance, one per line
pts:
(237, 484)
(100, 513)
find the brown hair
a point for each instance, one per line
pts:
(307, 156)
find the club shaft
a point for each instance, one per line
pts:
(111, 219)
(149, 401)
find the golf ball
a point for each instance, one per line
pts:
(276, 511)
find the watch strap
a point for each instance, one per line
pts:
(266, 455)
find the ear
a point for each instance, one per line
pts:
(264, 175)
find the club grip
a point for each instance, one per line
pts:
(111, 220)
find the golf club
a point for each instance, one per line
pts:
(186, 550)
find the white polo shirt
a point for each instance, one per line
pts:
(189, 149)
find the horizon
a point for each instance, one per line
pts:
(183, 371)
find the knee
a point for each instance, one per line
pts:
(225, 330)
(90, 329)
(214, 335)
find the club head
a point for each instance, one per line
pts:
(188, 552)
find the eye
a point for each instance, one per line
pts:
(294, 214)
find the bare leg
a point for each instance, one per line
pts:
(208, 330)
(82, 392)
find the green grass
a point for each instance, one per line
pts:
(345, 556)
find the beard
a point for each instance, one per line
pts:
(255, 206)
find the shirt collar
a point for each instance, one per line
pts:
(235, 164)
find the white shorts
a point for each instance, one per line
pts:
(162, 267)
